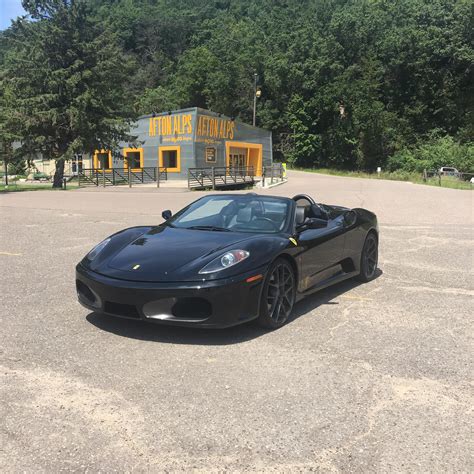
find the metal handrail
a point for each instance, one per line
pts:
(274, 171)
(116, 176)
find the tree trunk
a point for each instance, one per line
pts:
(58, 174)
(5, 163)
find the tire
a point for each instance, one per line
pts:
(369, 258)
(278, 295)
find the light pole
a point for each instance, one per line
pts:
(255, 75)
(5, 162)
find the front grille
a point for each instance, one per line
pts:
(119, 309)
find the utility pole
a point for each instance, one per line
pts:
(5, 161)
(255, 75)
(5, 164)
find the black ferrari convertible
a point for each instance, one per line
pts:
(228, 258)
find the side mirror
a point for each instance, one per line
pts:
(166, 214)
(350, 218)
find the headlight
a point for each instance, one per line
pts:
(227, 260)
(97, 249)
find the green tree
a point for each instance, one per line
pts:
(67, 79)
(7, 126)
(401, 69)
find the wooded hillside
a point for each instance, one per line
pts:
(345, 84)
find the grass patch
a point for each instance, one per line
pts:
(446, 181)
(27, 187)
(15, 185)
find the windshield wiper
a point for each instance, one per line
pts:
(209, 227)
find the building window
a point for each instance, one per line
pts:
(170, 158)
(103, 160)
(76, 166)
(133, 157)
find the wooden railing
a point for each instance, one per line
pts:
(121, 176)
(220, 177)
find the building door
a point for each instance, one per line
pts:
(245, 155)
(237, 159)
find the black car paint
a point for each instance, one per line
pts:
(166, 254)
(328, 255)
(167, 261)
(233, 300)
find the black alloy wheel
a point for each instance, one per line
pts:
(369, 258)
(278, 295)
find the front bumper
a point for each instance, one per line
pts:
(218, 303)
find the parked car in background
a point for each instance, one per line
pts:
(448, 171)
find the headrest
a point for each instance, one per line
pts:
(300, 215)
(257, 209)
(244, 214)
(316, 211)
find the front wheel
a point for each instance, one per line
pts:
(369, 258)
(278, 295)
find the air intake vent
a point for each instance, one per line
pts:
(192, 308)
(85, 292)
(119, 309)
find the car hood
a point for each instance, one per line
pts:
(169, 254)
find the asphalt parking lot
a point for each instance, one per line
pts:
(375, 377)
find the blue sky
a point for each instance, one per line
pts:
(9, 9)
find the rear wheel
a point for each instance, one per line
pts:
(278, 295)
(369, 258)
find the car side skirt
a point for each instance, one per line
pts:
(337, 278)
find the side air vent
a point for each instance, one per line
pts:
(85, 292)
(119, 309)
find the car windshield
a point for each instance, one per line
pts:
(240, 213)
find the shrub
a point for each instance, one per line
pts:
(17, 167)
(442, 151)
